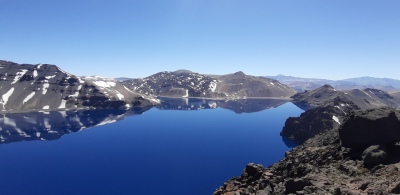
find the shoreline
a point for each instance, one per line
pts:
(230, 98)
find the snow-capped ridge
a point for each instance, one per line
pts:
(44, 86)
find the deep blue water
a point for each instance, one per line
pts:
(158, 152)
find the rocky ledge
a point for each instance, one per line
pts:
(322, 165)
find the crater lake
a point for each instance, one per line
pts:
(183, 146)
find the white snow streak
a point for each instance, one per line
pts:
(7, 95)
(76, 94)
(19, 75)
(45, 87)
(47, 123)
(28, 97)
(63, 113)
(11, 122)
(105, 122)
(46, 107)
(335, 118)
(372, 97)
(50, 77)
(187, 94)
(213, 86)
(104, 84)
(341, 109)
(62, 105)
(30, 120)
(120, 96)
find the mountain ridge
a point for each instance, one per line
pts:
(184, 84)
(301, 84)
(28, 87)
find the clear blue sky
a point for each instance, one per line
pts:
(331, 39)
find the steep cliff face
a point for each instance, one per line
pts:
(25, 87)
(311, 123)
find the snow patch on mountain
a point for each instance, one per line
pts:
(7, 95)
(28, 97)
(19, 75)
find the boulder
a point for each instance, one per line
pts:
(252, 172)
(362, 129)
(294, 185)
(375, 155)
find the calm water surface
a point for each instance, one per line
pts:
(161, 151)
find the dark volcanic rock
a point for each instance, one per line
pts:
(252, 172)
(319, 166)
(395, 189)
(294, 185)
(311, 123)
(362, 129)
(375, 155)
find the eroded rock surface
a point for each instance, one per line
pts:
(362, 129)
(311, 123)
(375, 155)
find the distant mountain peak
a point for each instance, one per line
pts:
(239, 73)
(182, 71)
(327, 86)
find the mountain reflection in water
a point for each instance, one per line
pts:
(157, 152)
(237, 105)
(52, 125)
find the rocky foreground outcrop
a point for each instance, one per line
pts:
(311, 123)
(362, 129)
(323, 166)
(27, 87)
